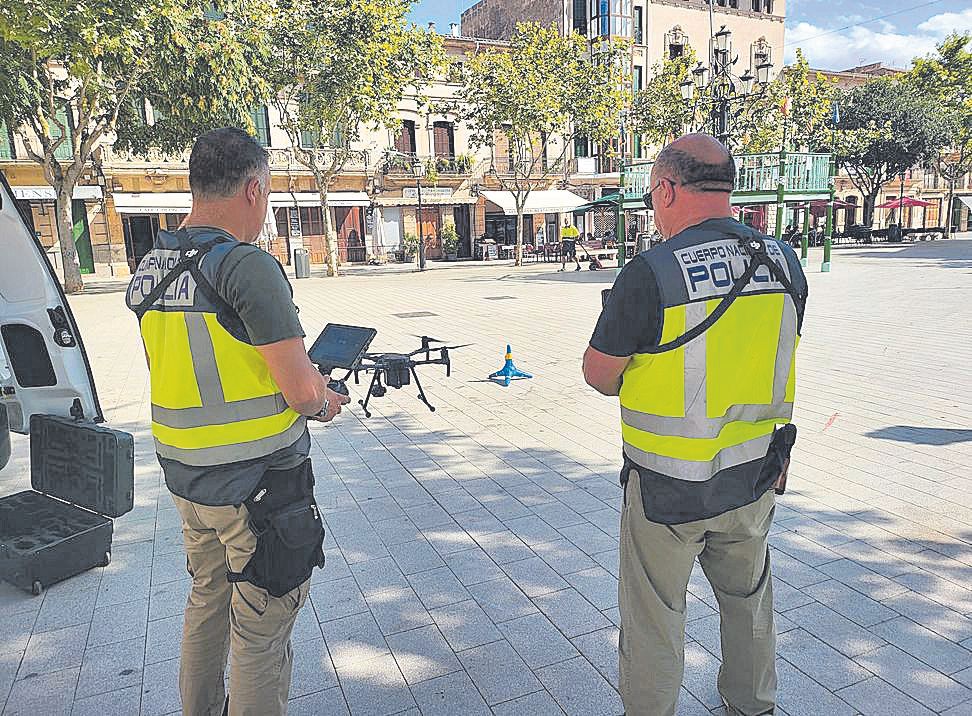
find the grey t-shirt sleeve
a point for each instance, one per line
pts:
(252, 282)
(631, 318)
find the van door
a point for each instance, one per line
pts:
(43, 366)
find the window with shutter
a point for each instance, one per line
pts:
(63, 150)
(443, 139)
(261, 125)
(6, 143)
(405, 140)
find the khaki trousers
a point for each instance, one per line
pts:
(656, 562)
(223, 617)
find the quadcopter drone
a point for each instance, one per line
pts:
(345, 347)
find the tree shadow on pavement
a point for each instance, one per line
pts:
(922, 436)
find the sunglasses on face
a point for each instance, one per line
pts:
(650, 205)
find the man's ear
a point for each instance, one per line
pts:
(252, 191)
(667, 189)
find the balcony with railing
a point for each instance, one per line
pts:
(399, 164)
(806, 176)
(535, 167)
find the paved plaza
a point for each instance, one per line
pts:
(472, 552)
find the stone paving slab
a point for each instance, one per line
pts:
(472, 552)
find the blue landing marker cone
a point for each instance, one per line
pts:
(509, 371)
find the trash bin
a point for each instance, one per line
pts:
(301, 263)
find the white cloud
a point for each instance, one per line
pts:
(862, 45)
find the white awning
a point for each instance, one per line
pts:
(426, 201)
(548, 201)
(312, 198)
(967, 200)
(171, 202)
(47, 193)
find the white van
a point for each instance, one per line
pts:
(81, 473)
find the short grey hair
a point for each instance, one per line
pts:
(695, 174)
(223, 160)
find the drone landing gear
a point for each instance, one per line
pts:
(378, 390)
(421, 393)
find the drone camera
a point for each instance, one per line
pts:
(397, 374)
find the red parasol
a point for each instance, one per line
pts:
(906, 201)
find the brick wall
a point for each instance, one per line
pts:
(496, 19)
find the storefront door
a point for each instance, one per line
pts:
(140, 233)
(82, 236)
(429, 227)
(460, 215)
(350, 233)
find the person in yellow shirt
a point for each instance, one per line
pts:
(568, 245)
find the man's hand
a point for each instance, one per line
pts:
(333, 409)
(603, 372)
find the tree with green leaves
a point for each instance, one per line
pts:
(947, 77)
(339, 66)
(78, 75)
(659, 112)
(885, 128)
(537, 97)
(795, 110)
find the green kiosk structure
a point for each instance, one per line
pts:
(784, 180)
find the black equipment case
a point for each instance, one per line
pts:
(82, 475)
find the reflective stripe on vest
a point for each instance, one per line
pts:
(713, 403)
(213, 399)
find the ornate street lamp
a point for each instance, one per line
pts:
(717, 96)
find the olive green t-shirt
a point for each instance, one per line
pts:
(254, 284)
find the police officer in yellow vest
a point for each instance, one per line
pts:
(698, 338)
(232, 387)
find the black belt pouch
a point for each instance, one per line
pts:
(289, 531)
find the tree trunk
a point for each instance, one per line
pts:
(948, 209)
(330, 237)
(518, 251)
(869, 200)
(65, 237)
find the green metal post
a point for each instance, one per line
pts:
(829, 227)
(804, 241)
(621, 236)
(780, 192)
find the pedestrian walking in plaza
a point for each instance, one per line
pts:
(568, 245)
(232, 388)
(701, 394)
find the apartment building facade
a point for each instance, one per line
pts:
(123, 200)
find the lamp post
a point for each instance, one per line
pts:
(718, 94)
(621, 237)
(418, 168)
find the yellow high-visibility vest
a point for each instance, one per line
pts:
(709, 408)
(213, 399)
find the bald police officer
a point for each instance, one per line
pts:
(699, 425)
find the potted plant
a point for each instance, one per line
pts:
(464, 163)
(450, 242)
(410, 246)
(431, 172)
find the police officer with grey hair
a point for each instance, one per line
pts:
(232, 388)
(698, 339)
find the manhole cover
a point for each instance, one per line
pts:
(499, 298)
(415, 314)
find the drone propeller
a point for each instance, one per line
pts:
(452, 348)
(427, 339)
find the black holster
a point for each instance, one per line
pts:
(778, 456)
(289, 531)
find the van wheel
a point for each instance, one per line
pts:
(36, 588)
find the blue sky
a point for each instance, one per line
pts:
(893, 40)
